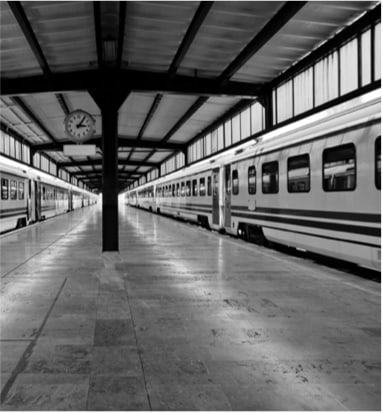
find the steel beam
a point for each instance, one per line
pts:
(29, 34)
(284, 14)
(99, 162)
(97, 28)
(123, 142)
(132, 80)
(121, 33)
(198, 19)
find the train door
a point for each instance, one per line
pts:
(37, 200)
(31, 207)
(215, 178)
(227, 197)
(70, 201)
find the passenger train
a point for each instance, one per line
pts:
(29, 195)
(313, 185)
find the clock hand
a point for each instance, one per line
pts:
(80, 125)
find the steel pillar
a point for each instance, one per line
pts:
(109, 179)
(109, 99)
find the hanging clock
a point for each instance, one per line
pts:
(79, 126)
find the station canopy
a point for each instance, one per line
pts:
(183, 65)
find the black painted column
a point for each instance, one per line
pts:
(109, 178)
(109, 97)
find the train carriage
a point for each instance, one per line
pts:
(28, 195)
(314, 185)
(13, 206)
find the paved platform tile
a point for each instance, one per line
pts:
(114, 332)
(116, 361)
(40, 397)
(117, 393)
(64, 359)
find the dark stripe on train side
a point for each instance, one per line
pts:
(190, 208)
(301, 232)
(332, 226)
(48, 208)
(188, 205)
(323, 236)
(14, 209)
(9, 213)
(344, 216)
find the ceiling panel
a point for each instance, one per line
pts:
(208, 113)
(159, 156)
(47, 109)
(16, 57)
(133, 112)
(227, 29)
(169, 111)
(65, 31)
(154, 31)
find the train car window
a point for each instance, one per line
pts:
(209, 185)
(182, 188)
(270, 178)
(4, 188)
(195, 187)
(173, 190)
(21, 190)
(13, 189)
(235, 182)
(178, 190)
(252, 180)
(202, 188)
(188, 188)
(298, 173)
(43, 193)
(339, 168)
(377, 163)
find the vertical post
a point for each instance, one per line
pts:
(109, 96)
(185, 152)
(109, 178)
(267, 103)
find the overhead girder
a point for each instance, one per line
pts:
(29, 34)
(199, 17)
(283, 16)
(129, 80)
(98, 34)
(123, 142)
(99, 162)
(121, 32)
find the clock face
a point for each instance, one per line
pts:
(79, 125)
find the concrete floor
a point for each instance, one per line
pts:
(181, 319)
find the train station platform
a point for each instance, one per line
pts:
(180, 319)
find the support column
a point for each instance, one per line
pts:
(109, 97)
(109, 179)
(185, 152)
(267, 103)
